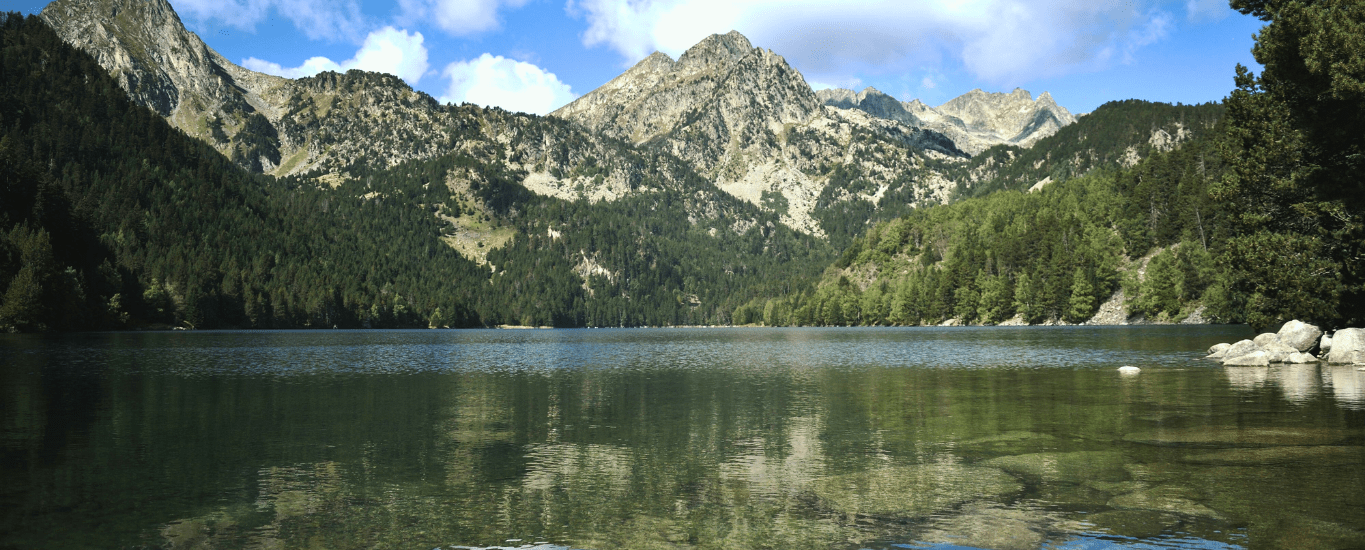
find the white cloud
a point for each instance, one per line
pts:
(387, 50)
(458, 17)
(513, 85)
(846, 83)
(1002, 41)
(928, 83)
(317, 19)
(1207, 10)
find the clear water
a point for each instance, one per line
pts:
(674, 438)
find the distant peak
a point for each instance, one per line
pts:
(730, 46)
(1022, 93)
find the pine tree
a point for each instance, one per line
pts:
(1082, 304)
(1295, 153)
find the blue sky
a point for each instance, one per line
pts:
(536, 55)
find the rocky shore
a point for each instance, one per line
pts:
(1295, 342)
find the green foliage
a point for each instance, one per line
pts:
(1295, 155)
(111, 216)
(1054, 254)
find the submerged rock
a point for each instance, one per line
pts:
(1129, 370)
(991, 527)
(1299, 335)
(1172, 499)
(1139, 524)
(1221, 436)
(1076, 467)
(1317, 455)
(911, 491)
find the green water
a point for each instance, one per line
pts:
(690, 438)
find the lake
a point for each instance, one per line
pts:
(942, 438)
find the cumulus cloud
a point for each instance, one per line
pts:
(513, 85)
(317, 19)
(458, 17)
(387, 50)
(996, 40)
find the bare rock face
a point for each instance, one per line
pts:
(974, 121)
(750, 123)
(262, 122)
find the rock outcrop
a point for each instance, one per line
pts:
(975, 121)
(1291, 344)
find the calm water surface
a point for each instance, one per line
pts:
(691, 438)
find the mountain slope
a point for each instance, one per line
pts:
(1139, 240)
(127, 220)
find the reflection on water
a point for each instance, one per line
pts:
(1303, 383)
(898, 438)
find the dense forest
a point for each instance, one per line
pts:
(1260, 221)
(1053, 254)
(112, 218)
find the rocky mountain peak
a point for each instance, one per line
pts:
(717, 49)
(974, 121)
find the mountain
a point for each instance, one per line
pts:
(748, 121)
(1130, 236)
(975, 121)
(111, 217)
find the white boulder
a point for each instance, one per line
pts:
(1299, 335)
(1253, 359)
(1348, 347)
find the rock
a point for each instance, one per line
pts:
(1253, 359)
(1348, 347)
(1076, 467)
(1129, 370)
(1241, 348)
(1317, 455)
(1299, 335)
(911, 491)
(1325, 345)
(1301, 358)
(1218, 350)
(1224, 436)
(991, 527)
(1266, 338)
(1172, 499)
(1278, 352)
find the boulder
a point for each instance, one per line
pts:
(1266, 338)
(1277, 352)
(1253, 359)
(1348, 347)
(1216, 352)
(1301, 357)
(1241, 348)
(1325, 345)
(1299, 335)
